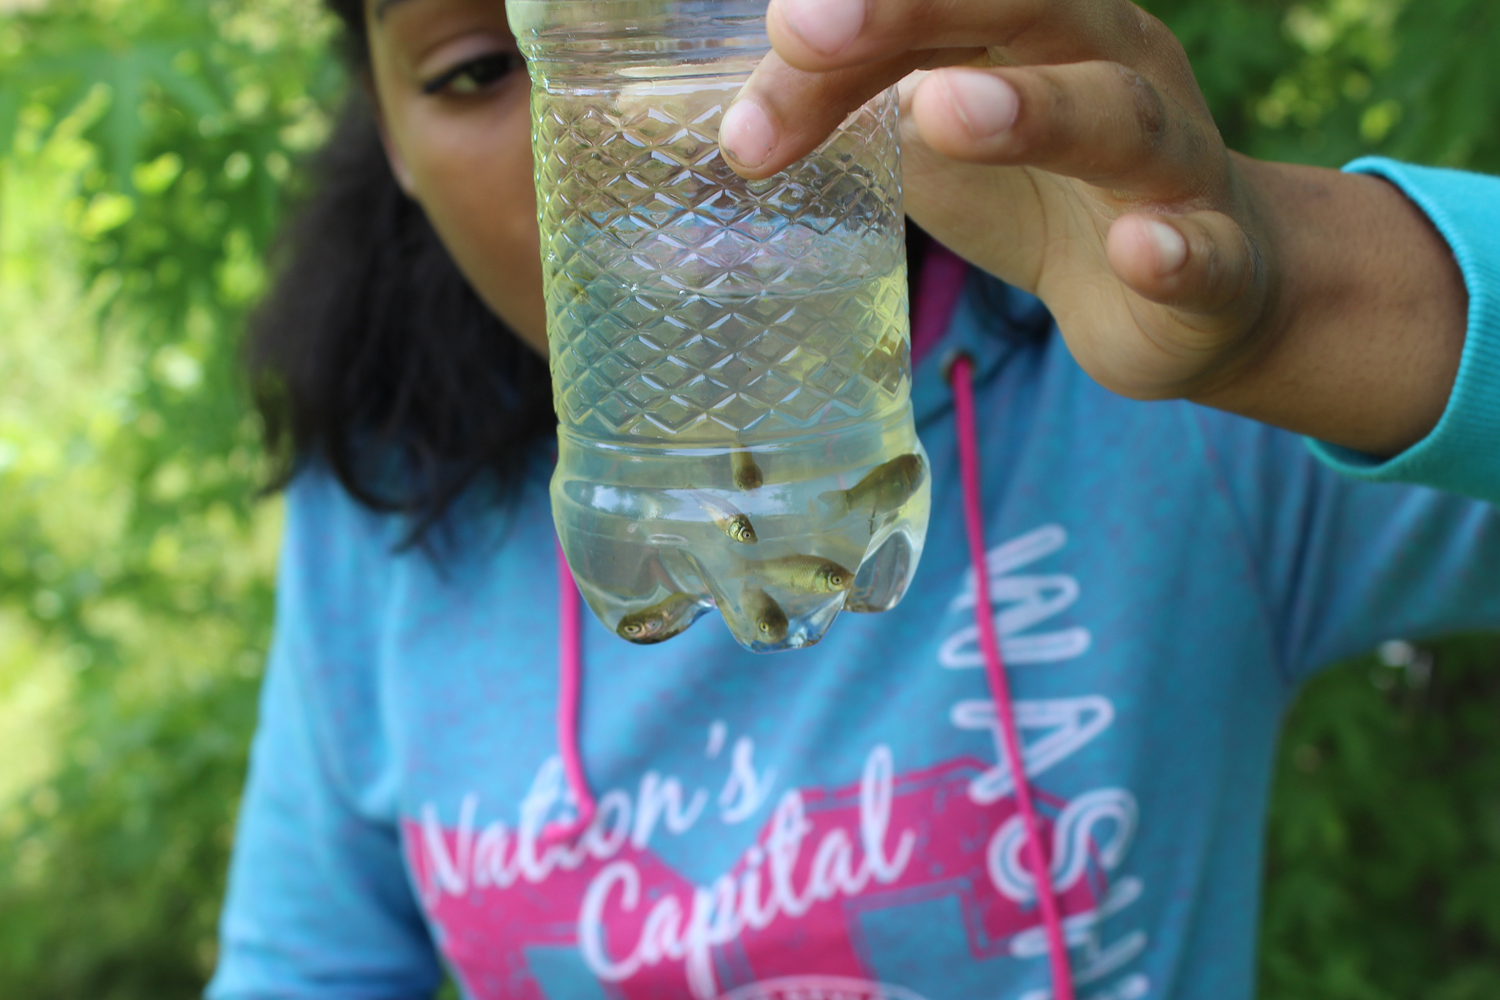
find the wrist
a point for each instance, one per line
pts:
(1360, 339)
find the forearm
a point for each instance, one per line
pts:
(1365, 327)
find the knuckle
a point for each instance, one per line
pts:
(1151, 30)
(1232, 268)
(1252, 269)
(1049, 112)
(1148, 111)
(1056, 97)
(1149, 37)
(1132, 34)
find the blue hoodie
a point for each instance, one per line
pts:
(838, 822)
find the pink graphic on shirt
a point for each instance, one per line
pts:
(787, 911)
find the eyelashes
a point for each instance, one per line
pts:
(475, 75)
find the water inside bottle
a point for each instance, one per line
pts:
(750, 451)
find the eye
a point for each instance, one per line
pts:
(476, 75)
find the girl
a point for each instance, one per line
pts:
(435, 782)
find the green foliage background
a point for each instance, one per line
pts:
(147, 150)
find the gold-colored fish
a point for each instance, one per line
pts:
(809, 574)
(883, 488)
(739, 528)
(661, 621)
(746, 474)
(732, 522)
(770, 621)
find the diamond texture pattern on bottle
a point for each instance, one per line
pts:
(685, 303)
(730, 358)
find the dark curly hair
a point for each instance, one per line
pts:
(372, 354)
(356, 42)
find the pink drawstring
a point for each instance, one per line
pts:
(994, 666)
(569, 697)
(938, 288)
(941, 283)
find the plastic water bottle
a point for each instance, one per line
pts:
(730, 358)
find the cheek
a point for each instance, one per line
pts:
(472, 173)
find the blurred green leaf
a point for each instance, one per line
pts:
(135, 562)
(1384, 842)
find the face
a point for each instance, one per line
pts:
(452, 95)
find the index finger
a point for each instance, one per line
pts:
(821, 35)
(784, 113)
(830, 56)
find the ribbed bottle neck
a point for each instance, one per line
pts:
(640, 38)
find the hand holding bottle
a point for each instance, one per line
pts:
(1066, 148)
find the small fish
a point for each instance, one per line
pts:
(659, 622)
(883, 365)
(730, 521)
(885, 487)
(770, 621)
(809, 574)
(746, 474)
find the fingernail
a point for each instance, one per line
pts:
(986, 104)
(827, 26)
(1171, 248)
(747, 134)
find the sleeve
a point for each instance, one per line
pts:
(1344, 565)
(1462, 453)
(319, 905)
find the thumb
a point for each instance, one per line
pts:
(1199, 264)
(783, 113)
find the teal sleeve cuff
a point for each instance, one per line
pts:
(1462, 453)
